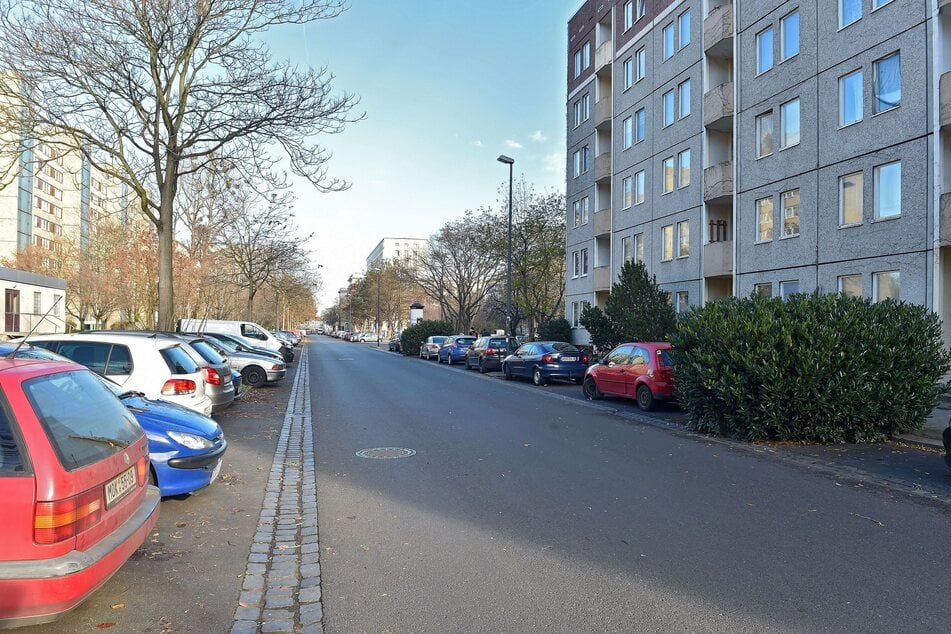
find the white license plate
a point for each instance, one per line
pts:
(215, 472)
(569, 358)
(118, 487)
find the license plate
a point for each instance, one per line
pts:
(118, 487)
(569, 358)
(215, 472)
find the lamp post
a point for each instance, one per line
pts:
(379, 275)
(508, 260)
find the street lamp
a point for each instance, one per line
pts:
(508, 260)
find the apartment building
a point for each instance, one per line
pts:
(760, 146)
(390, 248)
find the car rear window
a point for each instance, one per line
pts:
(208, 353)
(563, 347)
(665, 359)
(465, 341)
(178, 361)
(10, 459)
(502, 343)
(82, 419)
(439, 339)
(90, 354)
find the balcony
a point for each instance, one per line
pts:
(602, 222)
(718, 107)
(603, 56)
(718, 258)
(942, 4)
(602, 168)
(602, 278)
(718, 31)
(944, 95)
(718, 183)
(602, 114)
(944, 228)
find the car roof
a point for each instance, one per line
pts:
(113, 336)
(34, 367)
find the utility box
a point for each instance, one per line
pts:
(415, 313)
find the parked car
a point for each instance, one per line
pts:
(394, 343)
(642, 371)
(242, 346)
(369, 337)
(74, 485)
(545, 360)
(430, 347)
(156, 365)
(255, 334)
(454, 348)
(255, 369)
(486, 353)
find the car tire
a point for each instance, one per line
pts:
(449, 359)
(590, 389)
(254, 376)
(645, 398)
(482, 369)
(506, 372)
(538, 378)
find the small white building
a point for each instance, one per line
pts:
(397, 248)
(27, 297)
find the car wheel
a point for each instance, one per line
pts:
(590, 389)
(506, 372)
(448, 359)
(254, 376)
(538, 378)
(645, 398)
(481, 366)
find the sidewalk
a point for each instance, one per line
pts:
(934, 426)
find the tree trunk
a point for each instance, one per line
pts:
(166, 293)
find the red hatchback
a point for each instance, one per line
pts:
(642, 371)
(74, 485)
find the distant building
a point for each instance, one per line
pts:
(26, 299)
(392, 248)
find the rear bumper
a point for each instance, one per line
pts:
(221, 397)
(563, 371)
(39, 591)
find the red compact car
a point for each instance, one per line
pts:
(74, 486)
(642, 371)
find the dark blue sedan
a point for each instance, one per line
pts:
(544, 360)
(453, 349)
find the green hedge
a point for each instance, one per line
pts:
(814, 368)
(414, 336)
(555, 330)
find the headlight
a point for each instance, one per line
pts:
(190, 440)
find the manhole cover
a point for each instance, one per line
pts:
(382, 453)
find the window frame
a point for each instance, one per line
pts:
(782, 35)
(783, 120)
(640, 125)
(640, 64)
(640, 180)
(861, 102)
(680, 168)
(628, 72)
(627, 192)
(673, 108)
(840, 5)
(875, 84)
(783, 293)
(760, 49)
(628, 13)
(876, 277)
(782, 212)
(667, 236)
(760, 225)
(627, 133)
(681, 45)
(669, 37)
(759, 135)
(682, 87)
(852, 276)
(876, 192)
(683, 233)
(861, 199)
(667, 166)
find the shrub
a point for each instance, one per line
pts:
(555, 330)
(414, 336)
(814, 368)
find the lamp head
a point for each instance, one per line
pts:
(505, 159)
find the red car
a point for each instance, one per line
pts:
(74, 486)
(642, 371)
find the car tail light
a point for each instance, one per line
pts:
(490, 350)
(548, 359)
(141, 470)
(60, 520)
(178, 386)
(584, 358)
(211, 376)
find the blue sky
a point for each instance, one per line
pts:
(447, 86)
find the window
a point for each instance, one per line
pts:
(627, 249)
(577, 64)
(577, 113)
(641, 8)
(584, 210)
(37, 301)
(667, 237)
(764, 135)
(628, 14)
(668, 41)
(888, 190)
(887, 83)
(586, 106)
(683, 302)
(584, 262)
(849, 11)
(57, 305)
(576, 159)
(764, 219)
(850, 98)
(628, 126)
(789, 124)
(766, 289)
(886, 285)
(850, 199)
(585, 158)
(580, 209)
(878, 4)
(683, 24)
(639, 247)
(641, 58)
(764, 50)
(683, 168)
(639, 187)
(628, 72)
(789, 36)
(627, 193)
(586, 53)
(668, 108)
(640, 125)
(576, 212)
(788, 288)
(850, 285)
(667, 166)
(576, 263)
(683, 95)
(790, 206)
(577, 308)
(683, 238)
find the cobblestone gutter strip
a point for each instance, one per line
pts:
(281, 589)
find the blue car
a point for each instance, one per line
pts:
(544, 360)
(185, 447)
(454, 348)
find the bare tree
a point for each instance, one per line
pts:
(152, 90)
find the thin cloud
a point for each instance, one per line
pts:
(477, 143)
(554, 163)
(513, 145)
(538, 136)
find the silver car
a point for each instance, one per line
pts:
(255, 369)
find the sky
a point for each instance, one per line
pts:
(447, 86)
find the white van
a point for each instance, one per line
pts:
(254, 334)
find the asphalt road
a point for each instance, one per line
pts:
(525, 511)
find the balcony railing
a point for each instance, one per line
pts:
(604, 55)
(602, 167)
(602, 114)
(602, 222)
(718, 31)
(602, 278)
(944, 229)
(718, 182)
(718, 107)
(718, 258)
(944, 96)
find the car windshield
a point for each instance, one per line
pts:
(82, 419)
(665, 359)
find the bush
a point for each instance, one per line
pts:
(814, 368)
(414, 336)
(555, 330)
